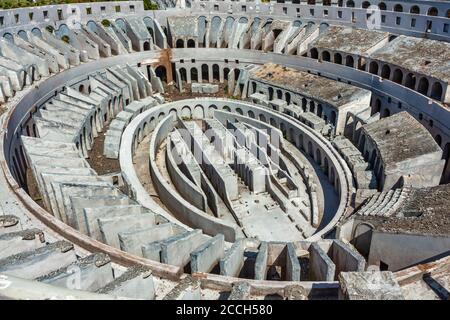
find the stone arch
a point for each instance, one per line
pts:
(373, 67)
(312, 107)
(398, 76)
(433, 11)
(318, 157)
(398, 8)
(365, 4)
(199, 112)
(179, 43)
(333, 118)
(423, 86)
(337, 58)
(186, 112)
(313, 53)
(147, 46)
(161, 73)
(349, 61)
(239, 111)
(350, 4)
(183, 74)
(211, 109)
(325, 166)
(382, 6)
(386, 71)
(414, 10)
(410, 80)
(194, 74)
(270, 93)
(436, 91)
(386, 113)
(191, 43)
(287, 97)
(205, 73)
(326, 56)
(319, 110)
(226, 108)
(262, 117)
(251, 114)
(216, 72)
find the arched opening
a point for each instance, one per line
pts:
(205, 73)
(191, 43)
(270, 93)
(312, 107)
(319, 110)
(415, 10)
(313, 53)
(216, 72)
(146, 46)
(333, 118)
(433, 11)
(338, 58)
(180, 43)
(386, 113)
(398, 8)
(304, 104)
(279, 94)
(349, 61)
(398, 76)
(288, 97)
(350, 4)
(436, 91)
(410, 81)
(386, 72)
(448, 13)
(382, 6)
(226, 71)
(183, 74)
(262, 117)
(325, 56)
(423, 86)
(318, 157)
(161, 73)
(373, 67)
(81, 88)
(194, 74)
(251, 114)
(253, 86)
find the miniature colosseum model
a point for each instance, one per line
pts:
(226, 149)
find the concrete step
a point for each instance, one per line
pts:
(110, 227)
(76, 201)
(20, 241)
(175, 250)
(39, 262)
(88, 274)
(91, 216)
(132, 241)
(136, 282)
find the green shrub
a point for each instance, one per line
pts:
(106, 23)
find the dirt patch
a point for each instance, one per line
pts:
(97, 160)
(173, 94)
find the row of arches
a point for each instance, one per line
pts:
(204, 73)
(409, 80)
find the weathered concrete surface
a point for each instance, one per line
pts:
(206, 257)
(369, 286)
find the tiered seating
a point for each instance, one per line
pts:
(384, 203)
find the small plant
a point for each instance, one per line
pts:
(106, 23)
(65, 38)
(149, 5)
